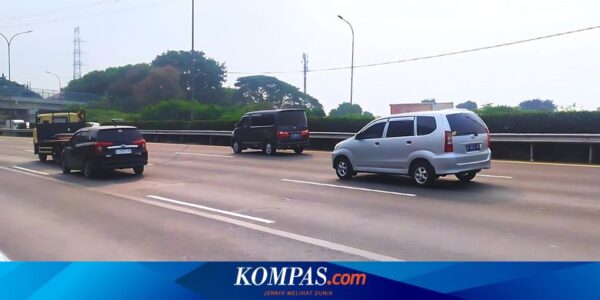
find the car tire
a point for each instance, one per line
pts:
(269, 149)
(343, 168)
(88, 171)
(237, 148)
(43, 157)
(298, 150)
(138, 170)
(466, 176)
(422, 174)
(65, 169)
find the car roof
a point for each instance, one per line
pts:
(273, 111)
(106, 127)
(442, 112)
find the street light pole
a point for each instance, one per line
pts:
(352, 61)
(8, 43)
(59, 82)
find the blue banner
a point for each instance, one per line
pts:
(329, 280)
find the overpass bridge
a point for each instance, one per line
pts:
(24, 108)
(23, 103)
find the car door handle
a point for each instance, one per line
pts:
(376, 143)
(409, 142)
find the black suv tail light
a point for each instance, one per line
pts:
(99, 147)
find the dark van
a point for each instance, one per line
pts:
(270, 130)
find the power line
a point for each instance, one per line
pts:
(92, 14)
(429, 56)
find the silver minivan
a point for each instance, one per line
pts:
(423, 145)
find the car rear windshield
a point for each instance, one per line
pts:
(466, 124)
(118, 135)
(292, 118)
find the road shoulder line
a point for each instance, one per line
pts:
(32, 171)
(348, 187)
(224, 212)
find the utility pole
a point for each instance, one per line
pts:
(305, 68)
(193, 70)
(76, 55)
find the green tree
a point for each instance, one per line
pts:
(209, 74)
(538, 105)
(316, 112)
(13, 88)
(470, 105)
(347, 110)
(267, 89)
(498, 109)
(161, 83)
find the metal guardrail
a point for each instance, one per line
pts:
(530, 138)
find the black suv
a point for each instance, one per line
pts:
(105, 148)
(270, 130)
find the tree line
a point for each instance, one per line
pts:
(162, 89)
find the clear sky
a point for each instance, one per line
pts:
(271, 35)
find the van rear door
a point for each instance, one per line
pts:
(293, 122)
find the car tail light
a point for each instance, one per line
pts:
(283, 135)
(448, 145)
(141, 143)
(488, 137)
(305, 133)
(99, 146)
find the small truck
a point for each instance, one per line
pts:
(53, 130)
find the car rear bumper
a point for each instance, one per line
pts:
(121, 162)
(291, 144)
(457, 163)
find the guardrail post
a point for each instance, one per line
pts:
(210, 140)
(591, 154)
(530, 151)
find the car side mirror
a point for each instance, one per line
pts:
(236, 125)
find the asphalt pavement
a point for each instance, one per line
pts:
(198, 202)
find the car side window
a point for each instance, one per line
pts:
(76, 138)
(84, 137)
(426, 125)
(262, 120)
(400, 128)
(245, 121)
(373, 132)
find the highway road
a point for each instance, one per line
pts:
(204, 203)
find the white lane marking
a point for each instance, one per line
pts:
(495, 176)
(29, 150)
(297, 237)
(348, 187)
(545, 163)
(225, 212)
(150, 164)
(201, 154)
(30, 170)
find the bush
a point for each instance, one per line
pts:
(544, 122)
(524, 122)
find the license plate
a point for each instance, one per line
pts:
(123, 151)
(473, 147)
(295, 135)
